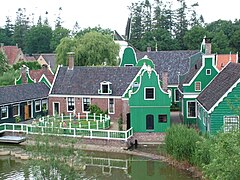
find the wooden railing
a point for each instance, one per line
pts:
(70, 132)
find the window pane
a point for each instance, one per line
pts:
(86, 104)
(70, 104)
(4, 112)
(162, 118)
(149, 93)
(176, 95)
(15, 110)
(111, 105)
(231, 123)
(191, 109)
(105, 88)
(37, 106)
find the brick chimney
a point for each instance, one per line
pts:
(70, 60)
(24, 70)
(208, 46)
(149, 49)
(165, 80)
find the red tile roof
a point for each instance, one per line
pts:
(11, 53)
(37, 74)
(223, 59)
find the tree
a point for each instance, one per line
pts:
(9, 31)
(235, 41)
(8, 77)
(57, 35)
(32, 65)
(220, 43)
(96, 49)
(3, 63)
(38, 39)
(193, 37)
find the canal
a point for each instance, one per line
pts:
(98, 165)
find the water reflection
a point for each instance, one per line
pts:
(100, 165)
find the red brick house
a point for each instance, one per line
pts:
(75, 88)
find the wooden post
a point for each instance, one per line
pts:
(62, 117)
(100, 117)
(70, 124)
(87, 116)
(78, 116)
(108, 134)
(97, 125)
(94, 116)
(70, 115)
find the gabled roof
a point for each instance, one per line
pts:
(23, 92)
(11, 53)
(50, 59)
(86, 80)
(220, 86)
(37, 74)
(223, 59)
(172, 61)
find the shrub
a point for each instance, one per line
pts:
(95, 109)
(181, 142)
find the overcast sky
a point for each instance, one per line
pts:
(111, 14)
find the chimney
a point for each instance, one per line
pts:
(149, 49)
(208, 46)
(165, 80)
(70, 60)
(24, 70)
(45, 68)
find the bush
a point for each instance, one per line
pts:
(95, 109)
(181, 142)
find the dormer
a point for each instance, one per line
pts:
(105, 88)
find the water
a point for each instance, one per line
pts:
(102, 166)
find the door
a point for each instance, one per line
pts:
(26, 112)
(149, 122)
(128, 121)
(56, 109)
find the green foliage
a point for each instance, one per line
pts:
(58, 34)
(181, 142)
(225, 157)
(95, 109)
(32, 65)
(8, 78)
(17, 119)
(4, 67)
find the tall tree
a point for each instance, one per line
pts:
(21, 27)
(57, 35)
(9, 30)
(38, 39)
(3, 63)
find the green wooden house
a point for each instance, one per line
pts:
(149, 102)
(202, 71)
(129, 57)
(219, 102)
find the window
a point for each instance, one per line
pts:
(128, 65)
(208, 71)
(37, 106)
(45, 104)
(191, 109)
(70, 104)
(162, 118)
(105, 88)
(4, 112)
(231, 123)
(86, 104)
(111, 106)
(149, 122)
(197, 86)
(177, 95)
(16, 110)
(149, 93)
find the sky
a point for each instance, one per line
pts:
(111, 14)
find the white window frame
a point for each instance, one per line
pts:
(228, 128)
(6, 112)
(195, 109)
(83, 103)
(38, 102)
(113, 106)
(208, 73)
(175, 90)
(45, 101)
(100, 91)
(18, 109)
(67, 99)
(200, 85)
(145, 98)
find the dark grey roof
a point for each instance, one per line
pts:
(50, 59)
(24, 92)
(172, 61)
(86, 80)
(219, 86)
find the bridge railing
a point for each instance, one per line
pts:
(70, 132)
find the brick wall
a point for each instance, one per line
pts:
(121, 107)
(148, 137)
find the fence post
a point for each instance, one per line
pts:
(97, 125)
(94, 116)
(126, 136)
(70, 115)
(100, 117)
(103, 125)
(87, 116)
(108, 134)
(74, 132)
(79, 124)
(91, 133)
(78, 116)
(89, 125)
(48, 117)
(70, 124)
(60, 124)
(62, 116)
